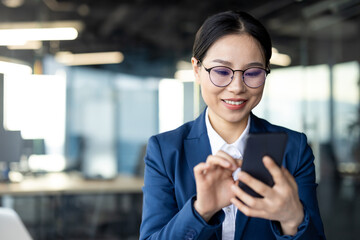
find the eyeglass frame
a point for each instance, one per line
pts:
(267, 71)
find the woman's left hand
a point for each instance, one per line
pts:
(280, 203)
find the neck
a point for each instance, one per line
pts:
(229, 131)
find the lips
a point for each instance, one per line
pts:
(234, 104)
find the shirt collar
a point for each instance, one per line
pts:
(217, 142)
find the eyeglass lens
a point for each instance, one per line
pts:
(222, 76)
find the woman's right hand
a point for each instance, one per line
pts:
(213, 183)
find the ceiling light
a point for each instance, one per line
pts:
(36, 34)
(98, 58)
(13, 3)
(78, 25)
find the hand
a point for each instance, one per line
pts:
(213, 183)
(280, 203)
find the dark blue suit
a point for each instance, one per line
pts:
(170, 190)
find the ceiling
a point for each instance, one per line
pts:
(154, 35)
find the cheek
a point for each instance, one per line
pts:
(209, 92)
(258, 95)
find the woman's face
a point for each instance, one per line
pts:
(231, 104)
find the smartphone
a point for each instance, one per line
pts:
(257, 146)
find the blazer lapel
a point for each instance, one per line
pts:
(197, 148)
(196, 145)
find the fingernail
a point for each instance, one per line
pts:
(266, 159)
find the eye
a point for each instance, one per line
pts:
(253, 72)
(222, 71)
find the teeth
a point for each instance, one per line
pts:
(233, 102)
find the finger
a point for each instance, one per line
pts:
(248, 211)
(228, 158)
(200, 169)
(250, 201)
(216, 160)
(239, 162)
(255, 184)
(274, 169)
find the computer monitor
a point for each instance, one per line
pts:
(33, 146)
(10, 141)
(10, 146)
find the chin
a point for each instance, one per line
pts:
(238, 118)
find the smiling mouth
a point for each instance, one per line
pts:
(234, 102)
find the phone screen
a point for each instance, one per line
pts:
(257, 146)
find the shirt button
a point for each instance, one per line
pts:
(228, 209)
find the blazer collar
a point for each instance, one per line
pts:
(197, 144)
(199, 127)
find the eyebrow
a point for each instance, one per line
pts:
(227, 63)
(222, 62)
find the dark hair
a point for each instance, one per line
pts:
(230, 22)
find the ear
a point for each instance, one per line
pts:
(196, 69)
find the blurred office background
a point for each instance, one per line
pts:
(74, 125)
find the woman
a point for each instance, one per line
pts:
(191, 173)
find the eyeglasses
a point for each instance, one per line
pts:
(222, 76)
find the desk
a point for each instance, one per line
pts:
(67, 206)
(71, 183)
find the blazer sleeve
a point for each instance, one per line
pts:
(162, 217)
(304, 174)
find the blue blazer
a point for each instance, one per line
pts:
(169, 187)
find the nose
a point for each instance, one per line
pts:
(237, 85)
